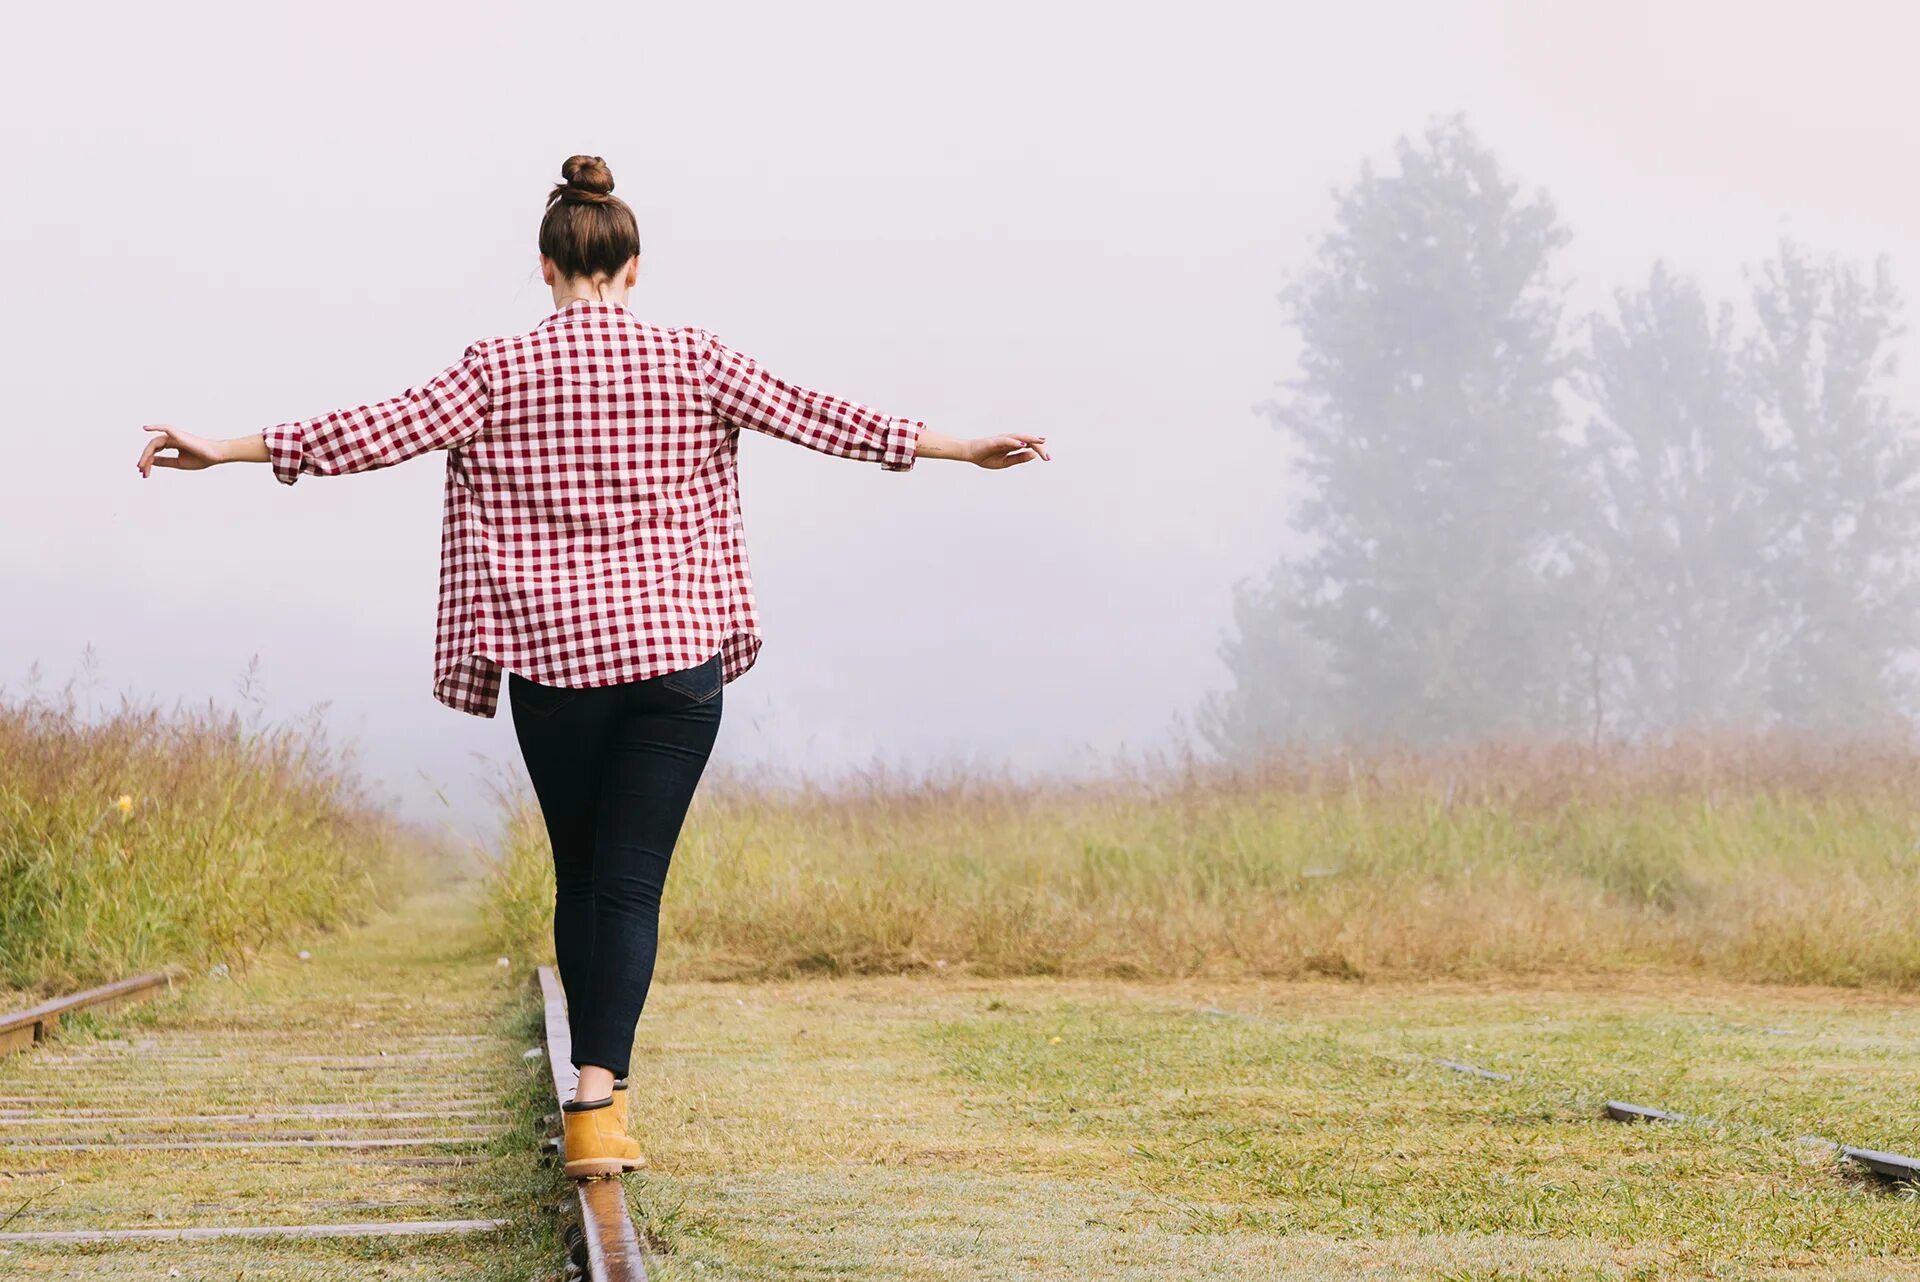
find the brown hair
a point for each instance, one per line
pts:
(588, 231)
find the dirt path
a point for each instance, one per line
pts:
(378, 1087)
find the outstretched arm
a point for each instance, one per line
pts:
(748, 396)
(192, 453)
(447, 411)
(986, 451)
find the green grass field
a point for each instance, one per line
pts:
(960, 1028)
(915, 1128)
(1181, 1024)
(948, 1125)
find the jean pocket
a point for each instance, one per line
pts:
(536, 699)
(699, 683)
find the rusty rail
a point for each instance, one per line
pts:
(1899, 1168)
(611, 1248)
(40, 1126)
(23, 1028)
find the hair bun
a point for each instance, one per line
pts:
(588, 231)
(588, 174)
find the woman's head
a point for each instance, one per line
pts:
(589, 235)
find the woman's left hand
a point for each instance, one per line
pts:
(195, 453)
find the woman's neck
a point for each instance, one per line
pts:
(575, 290)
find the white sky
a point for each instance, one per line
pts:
(1069, 218)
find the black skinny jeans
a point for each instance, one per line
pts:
(614, 768)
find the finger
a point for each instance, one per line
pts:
(154, 445)
(1028, 440)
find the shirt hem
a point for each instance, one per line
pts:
(739, 650)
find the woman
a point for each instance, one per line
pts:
(591, 547)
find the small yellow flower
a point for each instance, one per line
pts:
(125, 803)
(1054, 1041)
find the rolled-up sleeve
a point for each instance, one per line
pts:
(744, 394)
(446, 411)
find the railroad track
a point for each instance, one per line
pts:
(24, 1028)
(273, 1128)
(243, 1136)
(605, 1248)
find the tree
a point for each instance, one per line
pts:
(1678, 541)
(1842, 511)
(1426, 419)
(1279, 672)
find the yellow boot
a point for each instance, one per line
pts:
(594, 1143)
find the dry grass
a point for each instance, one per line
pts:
(145, 837)
(1775, 861)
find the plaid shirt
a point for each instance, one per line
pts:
(592, 530)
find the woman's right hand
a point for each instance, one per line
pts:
(1006, 451)
(996, 452)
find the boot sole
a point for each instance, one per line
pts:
(588, 1167)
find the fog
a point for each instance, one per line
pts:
(1071, 219)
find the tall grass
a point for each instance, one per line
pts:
(143, 838)
(1766, 860)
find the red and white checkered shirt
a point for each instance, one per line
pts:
(592, 530)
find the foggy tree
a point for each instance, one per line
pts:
(1843, 512)
(1279, 673)
(1682, 612)
(1426, 421)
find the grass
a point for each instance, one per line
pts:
(411, 981)
(1014, 1071)
(921, 1128)
(949, 1126)
(517, 883)
(146, 837)
(1774, 861)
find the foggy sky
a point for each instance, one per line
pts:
(1064, 218)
